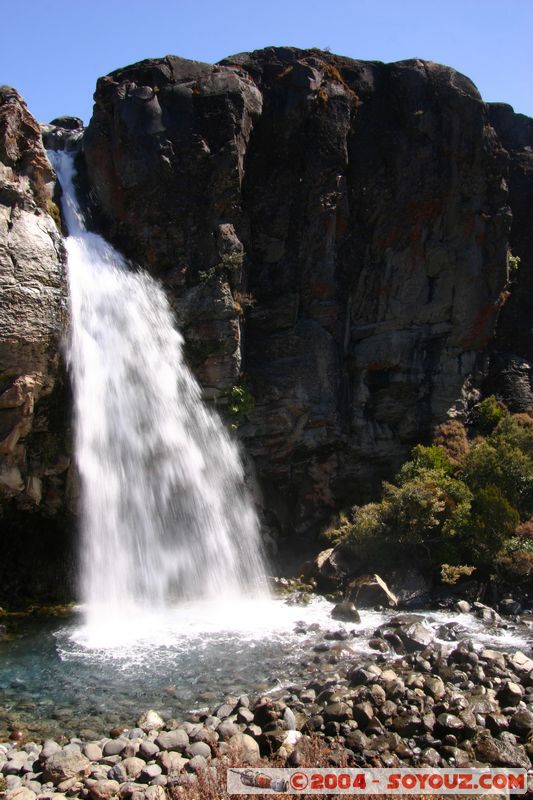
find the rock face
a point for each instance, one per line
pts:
(510, 368)
(333, 235)
(33, 408)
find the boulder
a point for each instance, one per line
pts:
(498, 753)
(245, 748)
(346, 611)
(150, 721)
(102, 790)
(486, 613)
(172, 740)
(61, 766)
(371, 590)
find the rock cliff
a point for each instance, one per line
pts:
(512, 349)
(334, 236)
(34, 457)
(335, 239)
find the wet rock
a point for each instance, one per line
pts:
(379, 644)
(456, 757)
(264, 713)
(434, 685)
(450, 632)
(520, 662)
(500, 754)
(313, 724)
(486, 613)
(463, 606)
(346, 611)
(496, 722)
(430, 757)
(522, 723)
(384, 742)
(493, 657)
(361, 677)
(509, 606)
(408, 630)
(357, 741)
(449, 724)
(371, 590)
(510, 694)
(416, 636)
(362, 713)
(337, 712)
(407, 724)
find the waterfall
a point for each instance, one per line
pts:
(165, 515)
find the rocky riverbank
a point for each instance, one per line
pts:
(411, 700)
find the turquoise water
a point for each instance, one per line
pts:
(58, 677)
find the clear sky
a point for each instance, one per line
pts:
(53, 52)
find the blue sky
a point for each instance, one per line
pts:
(54, 52)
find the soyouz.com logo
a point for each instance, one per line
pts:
(377, 781)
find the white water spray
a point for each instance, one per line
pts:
(165, 515)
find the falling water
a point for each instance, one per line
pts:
(165, 515)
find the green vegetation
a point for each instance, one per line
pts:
(465, 502)
(228, 261)
(241, 402)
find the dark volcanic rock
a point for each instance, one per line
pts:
(499, 753)
(362, 205)
(510, 368)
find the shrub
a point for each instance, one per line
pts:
(514, 562)
(450, 574)
(525, 530)
(487, 414)
(455, 503)
(514, 431)
(423, 459)
(452, 437)
(493, 521)
(496, 462)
